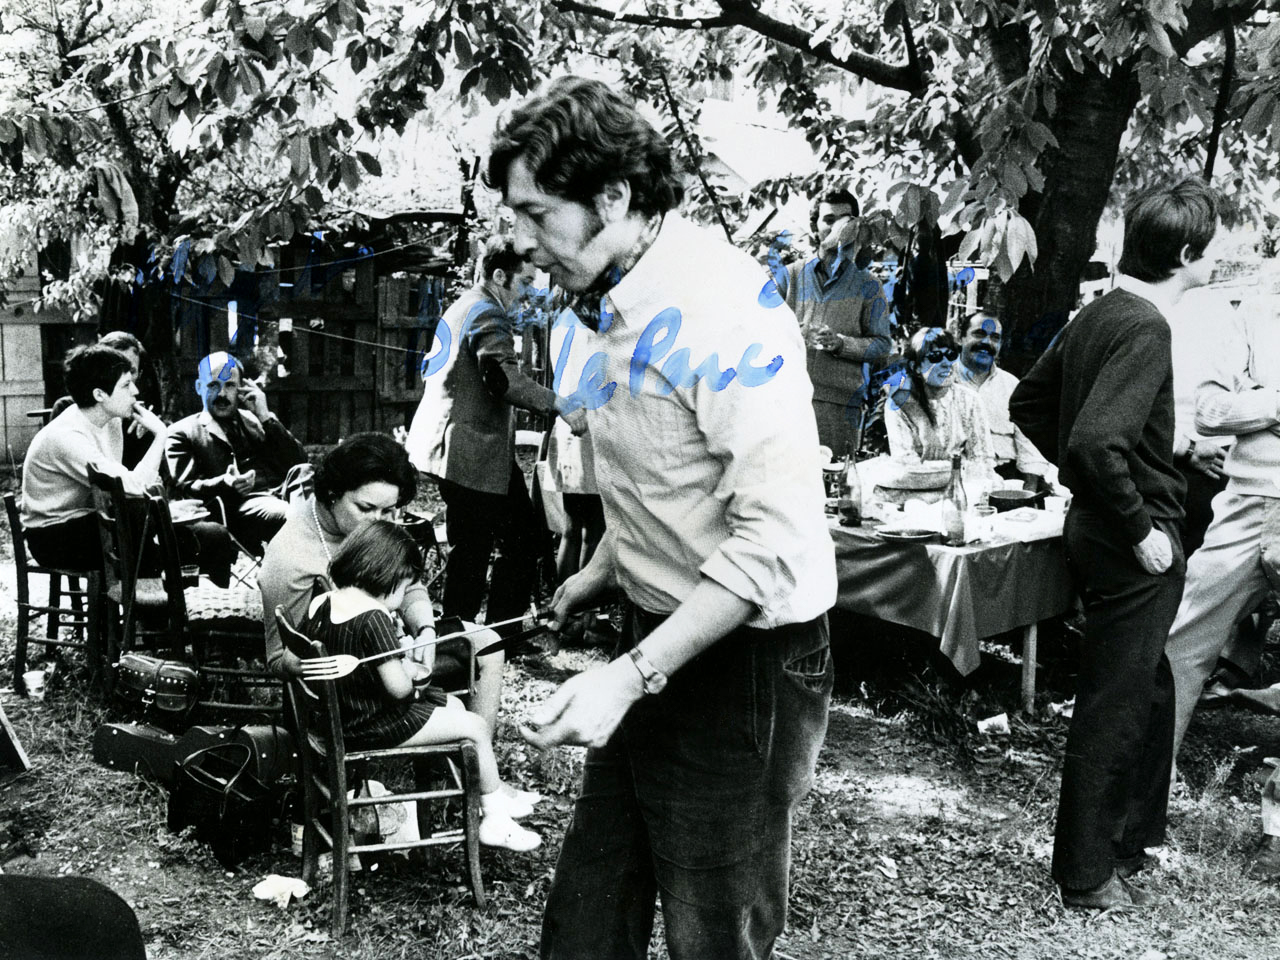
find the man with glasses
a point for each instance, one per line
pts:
(463, 435)
(1101, 401)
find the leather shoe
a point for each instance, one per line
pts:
(1111, 894)
(1264, 864)
(1139, 896)
(1126, 867)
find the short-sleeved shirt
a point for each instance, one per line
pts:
(371, 717)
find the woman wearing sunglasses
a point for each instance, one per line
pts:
(928, 421)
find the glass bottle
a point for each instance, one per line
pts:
(850, 501)
(954, 505)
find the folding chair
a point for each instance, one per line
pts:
(327, 770)
(81, 613)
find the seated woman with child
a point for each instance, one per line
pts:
(928, 420)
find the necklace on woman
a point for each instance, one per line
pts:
(320, 531)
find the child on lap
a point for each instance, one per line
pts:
(370, 572)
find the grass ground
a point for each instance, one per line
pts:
(921, 838)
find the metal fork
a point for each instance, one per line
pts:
(340, 665)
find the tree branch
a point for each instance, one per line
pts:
(646, 19)
(743, 13)
(1224, 99)
(694, 157)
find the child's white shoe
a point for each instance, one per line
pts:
(523, 796)
(505, 805)
(499, 831)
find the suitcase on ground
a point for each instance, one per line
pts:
(272, 747)
(141, 748)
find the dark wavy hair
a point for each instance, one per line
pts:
(578, 135)
(87, 368)
(834, 197)
(500, 254)
(914, 353)
(1160, 221)
(376, 558)
(365, 458)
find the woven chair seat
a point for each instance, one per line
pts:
(207, 602)
(149, 593)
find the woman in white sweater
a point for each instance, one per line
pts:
(57, 498)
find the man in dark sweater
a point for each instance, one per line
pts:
(1101, 399)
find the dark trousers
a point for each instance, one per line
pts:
(1199, 506)
(70, 545)
(1115, 777)
(77, 545)
(691, 801)
(475, 522)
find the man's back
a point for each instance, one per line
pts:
(1101, 398)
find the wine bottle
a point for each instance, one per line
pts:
(954, 505)
(850, 501)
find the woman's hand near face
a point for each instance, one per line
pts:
(147, 420)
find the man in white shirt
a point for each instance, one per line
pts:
(980, 342)
(706, 728)
(1239, 562)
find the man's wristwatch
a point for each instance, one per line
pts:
(654, 679)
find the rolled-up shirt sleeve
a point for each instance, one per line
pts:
(771, 486)
(1228, 401)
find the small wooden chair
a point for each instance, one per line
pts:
(136, 604)
(221, 625)
(312, 709)
(82, 611)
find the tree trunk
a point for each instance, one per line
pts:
(1093, 113)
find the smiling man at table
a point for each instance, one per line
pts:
(1101, 398)
(705, 729)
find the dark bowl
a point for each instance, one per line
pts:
(1005, 500)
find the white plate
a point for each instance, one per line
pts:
(907, 535)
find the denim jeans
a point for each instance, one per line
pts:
(691, 801)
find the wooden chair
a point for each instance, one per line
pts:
(221, 626)
(327, 770)
(137, 604)
(81, 612)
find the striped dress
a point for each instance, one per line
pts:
(371, 717)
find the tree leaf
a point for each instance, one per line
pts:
(370, 162)
(299, 157)
(37, 142)
(1019, 241)
(255, 27)
(350, 173)
(462, 49)
(226, 271)
(1157, 38)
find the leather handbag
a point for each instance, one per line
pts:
(166, 690)
(231, 809)
(273, 755)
